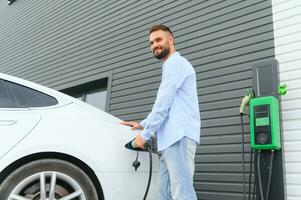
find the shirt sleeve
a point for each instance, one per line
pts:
(173, 76)
(144, 122)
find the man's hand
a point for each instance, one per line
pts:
(134, 125)
(139, 141)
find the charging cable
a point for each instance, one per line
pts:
(245, 101)
(250, 175)
(259, 175)
(147, 147)
(267, 195)
(270, 175)
(243, 156)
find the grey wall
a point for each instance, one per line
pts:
(62, 44)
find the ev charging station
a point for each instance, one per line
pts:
(264, 123)
(265, 134)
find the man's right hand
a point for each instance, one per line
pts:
(134, 125)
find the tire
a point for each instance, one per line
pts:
(69, 179)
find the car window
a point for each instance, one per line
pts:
(5, 100)
(93, 93)
(24, 97)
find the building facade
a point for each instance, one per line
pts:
(99, 51)
(287, 38)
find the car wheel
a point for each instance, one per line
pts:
(48, 179)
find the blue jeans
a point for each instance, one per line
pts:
(176, 171)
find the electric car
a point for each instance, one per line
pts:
(56, 147)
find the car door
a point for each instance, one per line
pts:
(15, 122)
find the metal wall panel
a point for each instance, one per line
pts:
(62, 44)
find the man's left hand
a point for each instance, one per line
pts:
(139, 141)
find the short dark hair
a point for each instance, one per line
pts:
(160, 27)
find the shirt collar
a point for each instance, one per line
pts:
(171, 57)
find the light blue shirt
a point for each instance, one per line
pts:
(175, 113)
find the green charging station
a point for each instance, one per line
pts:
(264, 123)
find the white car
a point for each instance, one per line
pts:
(56, 147)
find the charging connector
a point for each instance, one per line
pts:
(149, 148)
(245, 101)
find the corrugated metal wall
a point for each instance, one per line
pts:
(287, 33)
(66, 43)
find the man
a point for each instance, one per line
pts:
(175, 117)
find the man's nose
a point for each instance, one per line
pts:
(155, 45)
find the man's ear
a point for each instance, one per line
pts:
(171, 40)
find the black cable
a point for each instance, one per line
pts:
(243, 156)
(270, 175)
(254, 184)
(250, 174)
(259, 176)
(149, 148)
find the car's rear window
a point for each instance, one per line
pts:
(24, 97)
(5, 100)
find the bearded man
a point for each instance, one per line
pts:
(174, 117)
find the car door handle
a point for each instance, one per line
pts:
(7, 122)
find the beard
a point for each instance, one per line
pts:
(164, 52)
